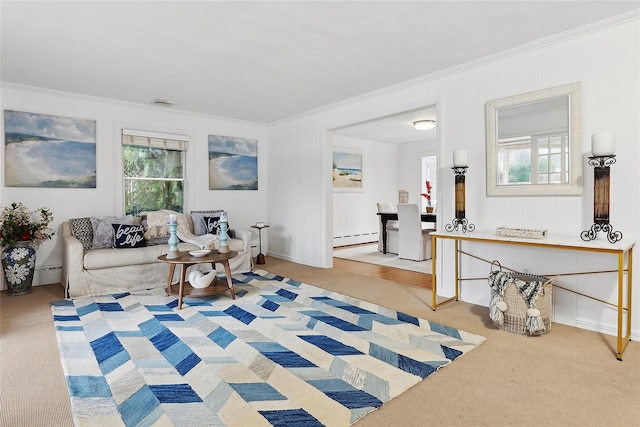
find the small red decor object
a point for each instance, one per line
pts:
(427, 195)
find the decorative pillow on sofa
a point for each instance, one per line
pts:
(199, 227)
(128, 236)
(82, 230)
(154, 234)
(212, 224)
(103, 231)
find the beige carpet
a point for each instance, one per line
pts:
(371, 255)
(569, 377)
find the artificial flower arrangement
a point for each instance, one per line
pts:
(18, 225)
(427, 195)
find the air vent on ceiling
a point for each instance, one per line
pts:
(162, 103)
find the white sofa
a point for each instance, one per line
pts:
(108, 271)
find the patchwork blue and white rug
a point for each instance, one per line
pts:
(282, 353)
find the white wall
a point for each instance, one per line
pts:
(354, 212)
(300, 192)
(410, 168)
(607, 63)
(244, 207)
(387, 169)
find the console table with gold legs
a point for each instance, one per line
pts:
(622, 250)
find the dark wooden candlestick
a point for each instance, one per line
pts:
(601, 185)
(460, 204)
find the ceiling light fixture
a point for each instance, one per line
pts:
(424, 124)
(162, 102)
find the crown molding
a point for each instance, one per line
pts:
(113, 101)
(564, 36)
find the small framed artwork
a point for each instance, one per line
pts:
(233, 163)
(347, 171)
(49, 151)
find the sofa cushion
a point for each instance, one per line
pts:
(82, 230)
(103, 231)
(113, 258)
(163, 240)
(128, 236)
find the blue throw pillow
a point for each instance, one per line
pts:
(128, 236)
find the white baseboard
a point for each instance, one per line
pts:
(291, 259)
(47, 275)
(595, 327)
(355, 239)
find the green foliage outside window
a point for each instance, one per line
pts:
(153, 179)
(520, 172)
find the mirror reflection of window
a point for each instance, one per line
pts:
(533, 143)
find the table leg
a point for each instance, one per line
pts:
(457, 267)
(434, 285)
(624, 337)
(181, 290)
(172, 269)
(227, 271)
(629, 299)
(384, 234)
(260, 258)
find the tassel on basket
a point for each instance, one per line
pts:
(520, 303)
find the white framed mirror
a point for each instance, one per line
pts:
(534, 143)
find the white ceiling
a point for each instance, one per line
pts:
(266, 60)
(395, 129)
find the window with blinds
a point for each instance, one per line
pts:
(153, 171)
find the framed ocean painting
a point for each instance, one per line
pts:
(347, 171)
(49, 151)
(233, 163)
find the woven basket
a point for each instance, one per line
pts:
(515, 317)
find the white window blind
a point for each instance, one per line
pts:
(153, 139)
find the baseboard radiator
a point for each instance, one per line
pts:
(47, 275)
(355, 239)
(43, 275)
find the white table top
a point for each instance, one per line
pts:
(569, 242)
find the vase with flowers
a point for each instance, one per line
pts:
(427, 196)
(21, 232)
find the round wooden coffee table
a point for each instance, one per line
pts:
(185, 260)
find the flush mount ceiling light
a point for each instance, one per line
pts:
(424, 124)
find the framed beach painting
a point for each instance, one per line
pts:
(347, 171)
(233, 163)
(49, 151)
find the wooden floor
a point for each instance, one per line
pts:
(382, 272)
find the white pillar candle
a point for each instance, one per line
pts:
(172, 219)
(460, 158)
(602, 144)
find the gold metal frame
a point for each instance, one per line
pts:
(621, 249)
